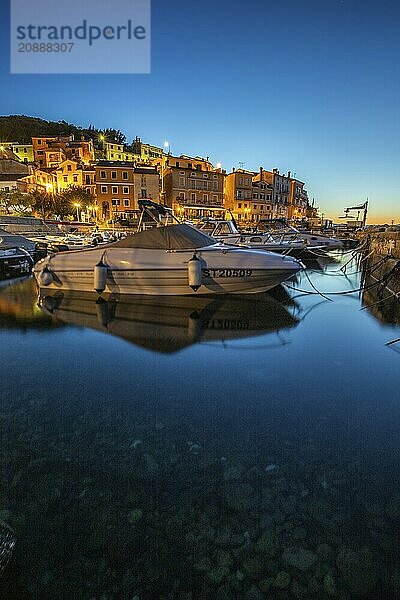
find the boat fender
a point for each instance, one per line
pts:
(46, 277)
(194, 272)
(100, 272)
(102, 312)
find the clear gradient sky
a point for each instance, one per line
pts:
(311, 87)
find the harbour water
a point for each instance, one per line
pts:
(201, 449)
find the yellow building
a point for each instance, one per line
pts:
(147, 152)
(23, 152)
(117, 152)
(68, 174)
(42, 181)
(238, 192)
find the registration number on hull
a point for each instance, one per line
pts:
(227, 272)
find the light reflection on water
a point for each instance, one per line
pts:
(205, 449)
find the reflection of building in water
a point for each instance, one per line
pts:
(18, 306)
(169, 324)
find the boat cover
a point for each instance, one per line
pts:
(170, 237)
(11, 240)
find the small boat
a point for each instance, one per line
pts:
(281, 231)
(35, 248)
(15, 262)
(167, 324)
(225, 230)
(170, 260)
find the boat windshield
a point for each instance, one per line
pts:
(170, 237)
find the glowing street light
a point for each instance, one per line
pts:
(77, 206)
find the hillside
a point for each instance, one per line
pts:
(20, 128)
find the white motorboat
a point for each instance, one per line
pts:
(281, 231)
(225, 230)
(169, 260)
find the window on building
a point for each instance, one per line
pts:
(181, 181)
(189, 165)
(177, 164)
(193, 196)
(240, 205)
(181, 195)
(39, 142)
(75, 178)
(87, 178)
(125, 190)
(126, 202)
(69, 167)
(102, 174)
(205, 197)
(124, 174)
(215, 198)
(262, 208)
(205, 176)
(104, 189)
(116, 202)
(144, 193)
(114, 189)
(255, 196)
(262, 196)
(65, 178)
(113, 174)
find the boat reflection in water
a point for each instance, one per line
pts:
(169, 324)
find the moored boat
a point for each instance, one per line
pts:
(15, 262)
(168, 260)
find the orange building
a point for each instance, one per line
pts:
(119, 186)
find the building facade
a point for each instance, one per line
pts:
(192, 187)
(117, 152)
(298, 200)
(147, 153)
(238, 193)
(50, 152)
(119, 186)
(68, 174)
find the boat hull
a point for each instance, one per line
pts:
(153, 272)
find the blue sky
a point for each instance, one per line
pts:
(313, 87)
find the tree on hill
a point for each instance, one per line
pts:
(21, 128)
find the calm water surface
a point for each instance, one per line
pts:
(200, 449)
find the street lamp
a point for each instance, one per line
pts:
(77, 206)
